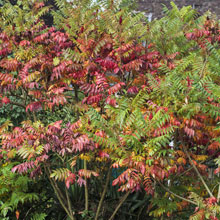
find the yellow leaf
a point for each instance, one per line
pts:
(17, 213)
(19, 83)
(172, 162)
(73, 163)
(181, 160)
(85, 157)
(30, 156)
(201, 157)
(56, 61)
(5, 164)
(11, 154)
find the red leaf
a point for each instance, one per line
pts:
(17, 214)
(115, 88)
(82, 29)
(211, 200)
(5, 100)
(110, 101)
(39, 5)
(120, 20)
(103, 154)
(25, 43)
(214, 146)
(133, 90)
(115, 182)
(70, 180)
(216, 171)
(93, 99)
(116, 70)
(190, 132)
(34, 106)
(81, 181)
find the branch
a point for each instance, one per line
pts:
(58, 194)
(15, 95)
(119, 205)
(34, 115)
(198, 173)
(218, 196)
(180, 197)
(205, 161)
(103, 194)
(18, 104)
(76, 92)
(69, 203)
(86, 190)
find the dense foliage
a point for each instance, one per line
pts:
(105, 114)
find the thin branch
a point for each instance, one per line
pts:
(139, 213)
(205, 161)
(180, 197)
(86, 190)
(34, 115)
(69, 203)
(59, 194)
(119, 205)
(60, 197)
(57, 187)
(15, 95)
(21, 105)
(26, 91)
(198, 173)
(34, 206)
(103, 194)
(18, 104)
(218, 196)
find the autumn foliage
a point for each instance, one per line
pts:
(109, 98)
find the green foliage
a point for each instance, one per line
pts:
(40, 216)
(20, 17)
(60, 174)
(13, 190)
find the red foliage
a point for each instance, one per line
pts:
(5, 100)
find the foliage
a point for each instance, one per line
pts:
(14, 191)
(104, 98)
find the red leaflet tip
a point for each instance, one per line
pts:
(5, 100)
(120, 20)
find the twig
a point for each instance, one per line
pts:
(205, 161)
(180, 197)
(139, 213)
(69, 203)
(18, 104)
(119, 205)
(59, 194)
(34, 115)
(103, 194)
(218, 196)
(34, 206)
(198, 173)
(86, 190)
